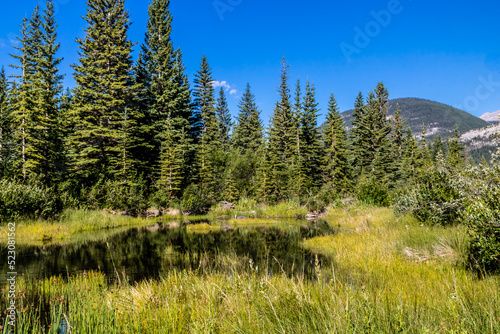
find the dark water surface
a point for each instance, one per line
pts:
(148, 252)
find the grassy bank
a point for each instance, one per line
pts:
(79, 224)
(389, 275)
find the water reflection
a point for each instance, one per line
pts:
(148, 252)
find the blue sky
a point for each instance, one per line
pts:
(445, 51)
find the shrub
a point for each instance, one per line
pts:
(482, 217)
(195, 200)
(434, 199)
(27, 200)
(372, 191)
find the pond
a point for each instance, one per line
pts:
(147, 252)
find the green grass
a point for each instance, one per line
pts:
(73, 225)
(389, 275)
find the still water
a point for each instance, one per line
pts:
(147, 252)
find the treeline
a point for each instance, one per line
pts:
(134, 133)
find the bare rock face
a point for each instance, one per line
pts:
(172, 212)
(152, 212)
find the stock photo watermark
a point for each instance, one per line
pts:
(373, 28)
(11, 275)
(486, 87)
(224, 6)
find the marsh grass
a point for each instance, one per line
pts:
(373, 286)
(72, 225)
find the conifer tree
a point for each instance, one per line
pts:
(247, 135)
(412, 157)
(21, 100)
(103, 94)
(5, 124)
(48, 101)
(297, 117)
(223, 119)
(335, 161)
(164, 97)
(456, 150)
(208, 141)
(437, 147)
(398, 140)
(281, 136)
(357, 138)
(311, 154)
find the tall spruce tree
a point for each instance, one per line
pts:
(311, 151)
(164, 99)
(456, 150)
(21, 101)
(48, 101)
(5, 133)
(247, 135)
(281, 137)
(208, 141)
(335, 160)
(223, 120)
(357, 138)
(105, 125)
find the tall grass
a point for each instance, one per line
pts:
(70, 224)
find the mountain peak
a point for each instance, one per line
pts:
(438, 118)
(491, 117)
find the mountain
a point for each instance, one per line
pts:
(482, 142)
(438, 118)
(491, 117)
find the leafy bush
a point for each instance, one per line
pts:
(30, 200)
(372, 191)
(434, 199)
(131, 196)
(482, 217)
(470, 196)
(195, 200)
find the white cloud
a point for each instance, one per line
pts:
(221, 84)
(224, 85)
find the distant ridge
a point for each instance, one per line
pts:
(491, 117)
(482, 142)
(438, 118)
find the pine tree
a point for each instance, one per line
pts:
(412, 157)
(281, 136)
(103, 94)
(264, 173)
(357, 138)
(223, 120)
(172, 160)
(456, 150)
(208, 141)
(21, 100)
(297, 117)
(423, 145)
(48, 101)
(382, 163)
(335, 161)
(5, 124)
(437, 147)
(398, 140)
(311, 154)
(247, 135)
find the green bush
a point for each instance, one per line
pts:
(434, 199)
(27, 200)
(195, 200)
(372, 191)
(482, 217)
